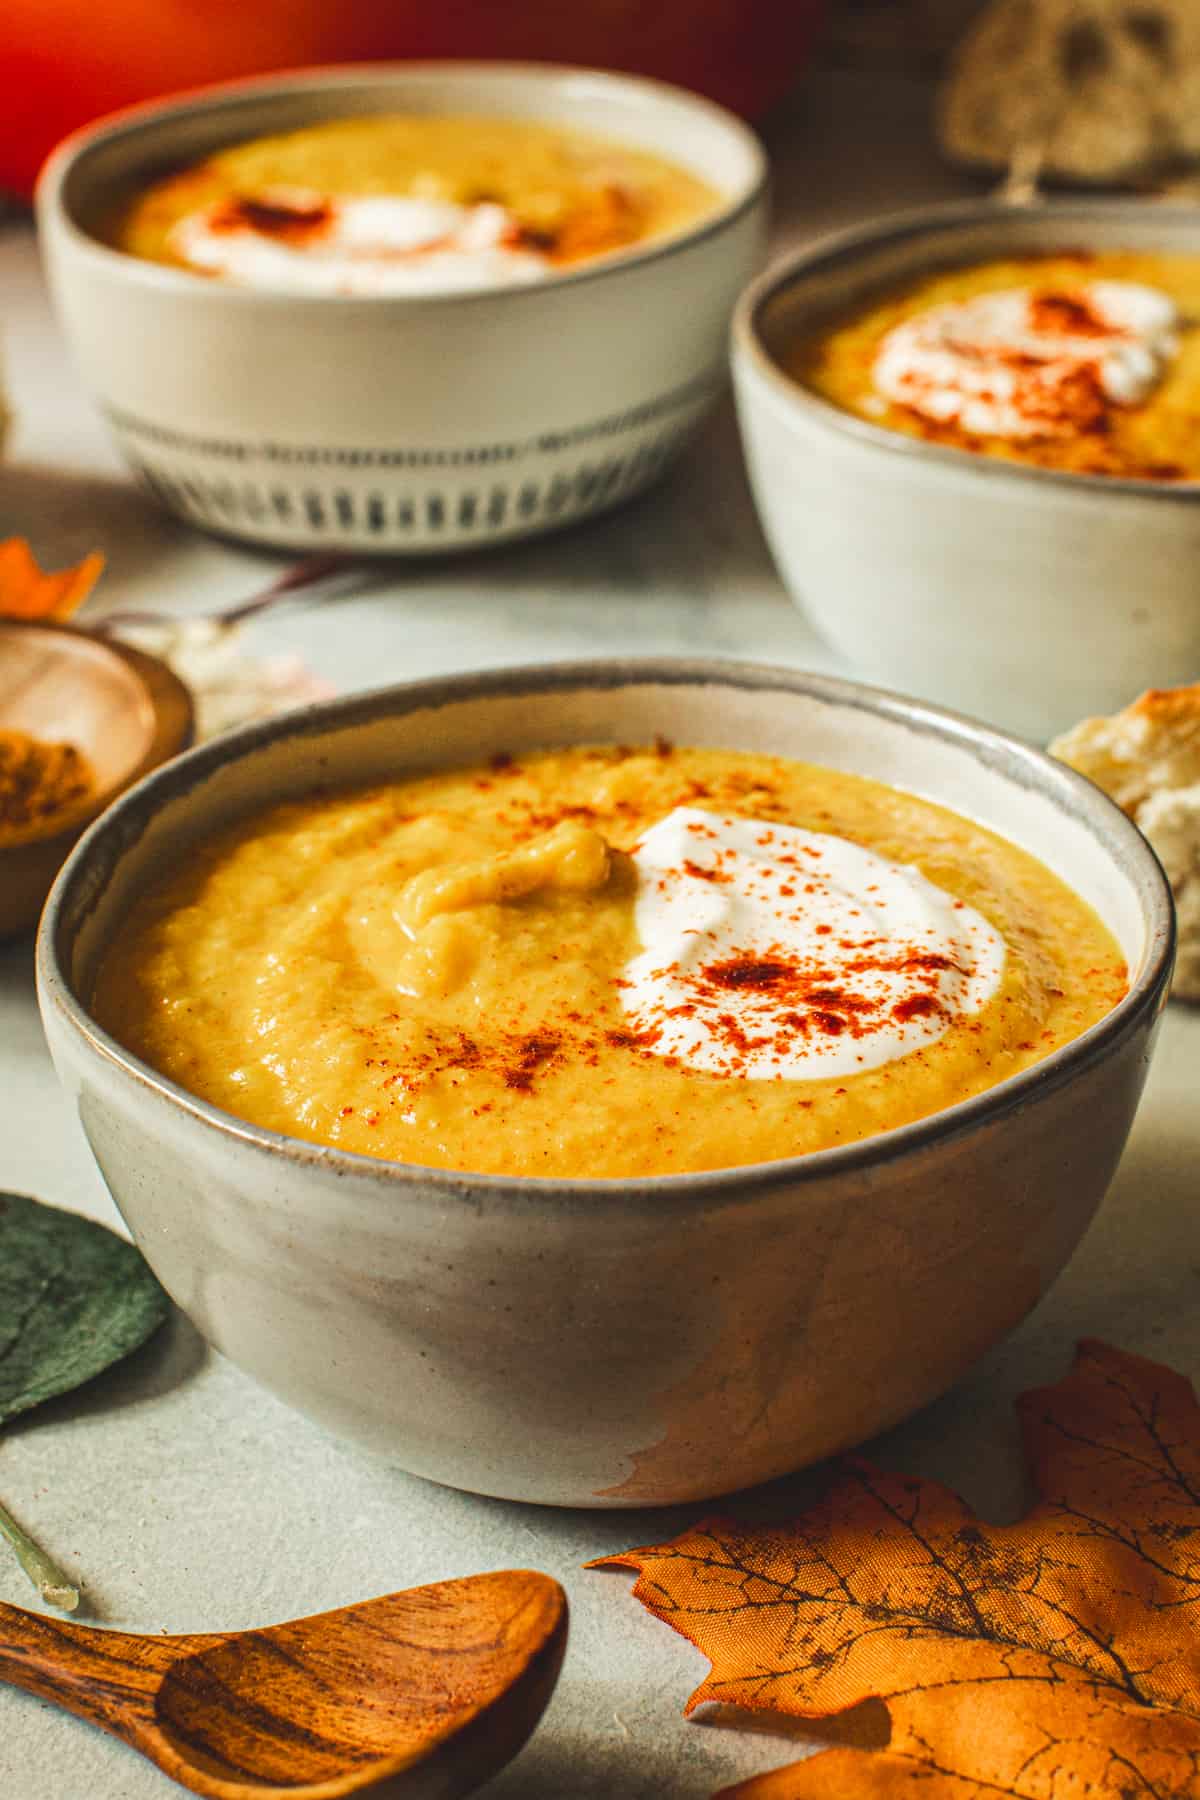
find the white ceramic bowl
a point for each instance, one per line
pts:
(612, 1343)
(402, 424)
(1028, 597)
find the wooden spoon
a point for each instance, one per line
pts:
(430, 1691)
(125, 711)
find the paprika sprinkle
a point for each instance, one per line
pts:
(1085, 362)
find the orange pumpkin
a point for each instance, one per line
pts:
(64, 62)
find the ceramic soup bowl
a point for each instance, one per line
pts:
(412, 423)
(612, 1343)
(1028, 596)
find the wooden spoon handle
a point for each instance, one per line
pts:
(109, 1677)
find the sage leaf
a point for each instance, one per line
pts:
(74, 1299)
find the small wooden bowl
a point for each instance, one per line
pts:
(127, 713)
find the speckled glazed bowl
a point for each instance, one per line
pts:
(1028, 596)
(395, 425)
(612, 1343)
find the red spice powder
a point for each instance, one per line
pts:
(758, 973)
(787, 997)
(274, 218)
(916, 1006)
(467, 1054)
(527, 1057)
(1065, 314)
(699, 873)
(632, 1040)
(831, 1023)
(1054, 400)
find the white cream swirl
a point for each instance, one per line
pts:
(298, 242)
(770, 952)
(1030, 362)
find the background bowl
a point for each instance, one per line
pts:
(596, 1343)
(402, 424)
(124, 710)
(1028, 596)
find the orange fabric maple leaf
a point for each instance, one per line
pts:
(1052, 1659)
(28, 592)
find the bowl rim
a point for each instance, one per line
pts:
(848, 244)
(74, 150)
(1055, 781)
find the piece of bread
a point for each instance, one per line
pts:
(1080, 90)
(1148, 758)
(1171, 820)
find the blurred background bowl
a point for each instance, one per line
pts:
(1027, 596)
(403, 424)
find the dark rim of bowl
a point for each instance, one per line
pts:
(130, 121)
(1021, 762)
(846, 247)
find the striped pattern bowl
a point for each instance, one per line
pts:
(410, 424)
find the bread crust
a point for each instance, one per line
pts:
(1147, 758)
(1088, 90)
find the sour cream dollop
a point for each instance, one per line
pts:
(298, 242)
(1030, 362)
(773, 952)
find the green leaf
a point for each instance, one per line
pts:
(74, 1299)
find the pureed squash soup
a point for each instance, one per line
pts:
(604, 961)
(402, 204)
(1085, 361)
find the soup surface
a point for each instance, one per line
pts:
(408, 203)
(1087, 362)
(604, 962)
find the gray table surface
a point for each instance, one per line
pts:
(184, 1497)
